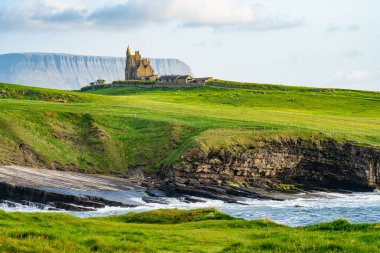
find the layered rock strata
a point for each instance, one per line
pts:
(270, 166)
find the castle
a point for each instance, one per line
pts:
(140, 69)
(137, 68)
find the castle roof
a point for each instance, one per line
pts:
(184, 76)
(171, 77)
(203, 78)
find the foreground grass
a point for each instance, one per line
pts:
(114, 129)
(204, 230)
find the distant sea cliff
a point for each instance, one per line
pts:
(64, 71)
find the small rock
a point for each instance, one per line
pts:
(147, 199)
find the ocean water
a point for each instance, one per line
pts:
(299, 211)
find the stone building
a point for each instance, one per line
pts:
(175, 79)
(203, 80)
(137, 68)
(183, 79)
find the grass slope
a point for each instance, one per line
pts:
(111, 130)
(204, 230)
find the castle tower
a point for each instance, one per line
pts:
(128, 65)
(138, 68)
(137, 57)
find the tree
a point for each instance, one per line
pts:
(98, 82)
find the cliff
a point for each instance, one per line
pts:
(287, 165)
(64, 71)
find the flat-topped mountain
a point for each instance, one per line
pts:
(64, 71)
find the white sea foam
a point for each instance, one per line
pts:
(356, 207)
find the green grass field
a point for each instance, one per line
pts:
(203, 230)
(111, 130)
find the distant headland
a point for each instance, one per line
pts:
(72, 72)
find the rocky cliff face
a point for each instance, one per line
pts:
(273, 165)
(63, 71)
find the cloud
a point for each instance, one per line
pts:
(209, 13)
(333, 28)
(274, 23)
(216, 14)
(10, 22)
(65, 16)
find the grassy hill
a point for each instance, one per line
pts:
(203, 230)
(114, 129)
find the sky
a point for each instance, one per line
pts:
(324, 43)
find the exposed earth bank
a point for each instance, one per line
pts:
(267, 167)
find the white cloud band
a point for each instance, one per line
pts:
(218, 14)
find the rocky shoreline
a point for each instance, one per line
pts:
(62, 190)
(53, 200)
(273, 168)
(267, 169)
